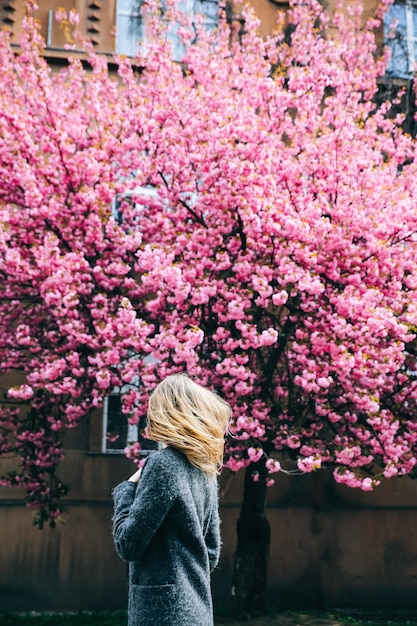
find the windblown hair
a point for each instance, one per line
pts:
(186, 416)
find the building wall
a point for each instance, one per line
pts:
(97, 21)
(330, 547)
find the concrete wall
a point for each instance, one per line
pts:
(331, 546)
(337, 547)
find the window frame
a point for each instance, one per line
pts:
(187, 6)
(132, 435)
(409, 39)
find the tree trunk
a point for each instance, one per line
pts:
(251, 559)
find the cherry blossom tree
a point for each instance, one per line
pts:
(67, 270)
(264, 241)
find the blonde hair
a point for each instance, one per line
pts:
(186, 416)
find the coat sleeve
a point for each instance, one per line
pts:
(139, 510)
(212, 538)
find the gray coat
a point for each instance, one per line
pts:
(167, 529)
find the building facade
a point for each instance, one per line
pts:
(109, 23)
(114, 25)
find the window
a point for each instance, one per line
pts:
(146, 193)
(130, 32)
(402, 38)
(117, 432)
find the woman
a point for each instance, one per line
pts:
(166, 521)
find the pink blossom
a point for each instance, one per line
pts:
(280, 298)
(309, 464)
(235, 464)
(273, 466)
(293, 442)
(23, 392)
(268, 337)
(255, 454)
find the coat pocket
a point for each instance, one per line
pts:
(153, 604)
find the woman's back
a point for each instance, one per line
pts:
(168, 530)
(166, 521)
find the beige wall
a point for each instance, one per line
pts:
(97, 20)
(266, 11)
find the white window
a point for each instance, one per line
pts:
(402, 38)
(129, 27)
(130, 31)
(146, 195)
(117, 432)
(136, 198)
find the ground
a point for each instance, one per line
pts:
(336, 618)
(285, 618)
